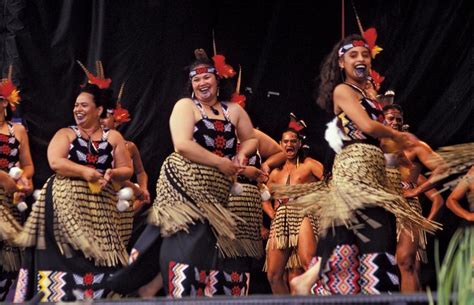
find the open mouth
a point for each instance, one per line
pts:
(361, 70)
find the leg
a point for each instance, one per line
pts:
(306, 243)
(301, 285)
(151, 289)
(406, 260)
(276, 262)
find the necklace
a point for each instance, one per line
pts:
(90, 143)
(362, 91)
(214, 110)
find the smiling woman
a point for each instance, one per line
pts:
(79, 234)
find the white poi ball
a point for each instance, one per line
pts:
(236, 189)
(125, 194)
(15, 173)
(36, 194)
(122, 205)
(21, 206)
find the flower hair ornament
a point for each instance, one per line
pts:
(99, 80)
(8, 90)
(223, 70)
(121, 115)
(236, 96)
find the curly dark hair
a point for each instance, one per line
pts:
(225, 86)
(331, 75)
(102, 97)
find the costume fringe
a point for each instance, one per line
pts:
(247, 206)
(394, 176)
(359, 181)
(10, 219)
(83, 221)
(188, 192)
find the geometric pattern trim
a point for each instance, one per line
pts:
(51, 283)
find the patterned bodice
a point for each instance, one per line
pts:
(217, 136)
(95, 154)
(256, 161)
(9, 149)
(373, 109)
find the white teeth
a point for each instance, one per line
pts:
(360, 66)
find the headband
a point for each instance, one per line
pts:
(201, 70)
(353, 44)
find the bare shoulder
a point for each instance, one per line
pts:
(184, 102)
(312, 162)
(115, 137)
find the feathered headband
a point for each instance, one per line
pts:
(99, 80)
(236, 96)
(8, 90)
(121, 115)
(220, 67)
(296, 124)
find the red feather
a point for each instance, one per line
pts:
(102, 83)
(6, 88)
(121, 115)
(370, 36)
(238, 99)
(377, 78)
(223, 70)
(295, 125)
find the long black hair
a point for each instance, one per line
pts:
(331, 75)
(102, 97)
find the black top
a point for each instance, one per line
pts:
(217, 136)
(9, 149)
(95, 154)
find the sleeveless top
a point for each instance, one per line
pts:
(9, 149)
(94, 154)
(375, 112)
(256, 161)
(217, 136)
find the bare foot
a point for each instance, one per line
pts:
(301, 285)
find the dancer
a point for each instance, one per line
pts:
(357, 208)
(14, 152)
(409, 169)
(248, 205)
(79, 235)
(293, 235)
(194, 185)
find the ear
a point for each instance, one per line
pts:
(100, 109)
(341, 62)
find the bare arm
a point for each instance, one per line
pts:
(452, 202)
(245, 133)
(432, 161)
(267, 206)
(317, 169)
(269, 150)
(122, 162)
(437, 200)
(26, 163)
(142, 177)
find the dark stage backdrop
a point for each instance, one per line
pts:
(427, 60)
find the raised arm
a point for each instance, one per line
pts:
(432, 161)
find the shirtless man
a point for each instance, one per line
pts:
(413, 184)
(293, 238)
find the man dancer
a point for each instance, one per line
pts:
(293, 237)
(413, 184)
